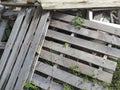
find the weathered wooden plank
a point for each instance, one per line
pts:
(45, 83)
(3, 25)
(11, 40)
(13, 4)
(84, 43)
(82, 68)
(31, 52)
(24, 49)
(81, 55)
(39, 51)
(98, 35)
(16, 47)
(66, 77)
(64, 4)
(87, 23)
(2, 45)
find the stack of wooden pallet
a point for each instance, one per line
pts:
(19, 53)
(45, 49)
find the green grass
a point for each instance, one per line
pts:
(67, 87)
(116, 78)
(29, 86)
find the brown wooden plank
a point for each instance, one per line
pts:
(98, 35)
(110, 65)
(84, 43)
(66, 77)
(94, 25)
(31, 52)
(82, 68)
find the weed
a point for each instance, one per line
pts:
(67, 87)
(116, 78)
(74, 67)
(77, 21)
(30, 86)
(66, 45)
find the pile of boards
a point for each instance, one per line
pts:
(45, 49)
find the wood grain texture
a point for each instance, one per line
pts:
(66, 77)
(81, 55)
(24, 72)
(11, 40)
(82, 68)
(66, 4)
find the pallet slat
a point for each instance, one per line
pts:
(110, 65)
(98, 35)
(84, 43)
(16, 47)
(66, 77)
(24, 49)
(2, 45)
(82, 68)
(45, 84)
(24, 72)
(11, 40)
(87, 23)
(3, 25)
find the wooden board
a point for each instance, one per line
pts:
(83, 68)
(71, 4)
(45, 83)
(81, 45)
(3, 26)
(66, 77)
(16, 47)
(11, 40)
(24, 72)
(23, 49)
(2, 45)
(87, 23)
(98, 35)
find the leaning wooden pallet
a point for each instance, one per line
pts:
(23, 40)
(83, 52)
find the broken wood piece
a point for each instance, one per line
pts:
(72, 4)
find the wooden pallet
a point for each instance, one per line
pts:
(86, 50)
(21, 47)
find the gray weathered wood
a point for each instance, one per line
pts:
(2, 45)
(24, 49)
(66, 4)
(82, 68)
(38, 51)
(98, 35)
(11, 40)
(31, 52)
(3, 25)
(84, 43)
(16, 47)
(66, 77)
(45, 84)
(87, 23)
(110, 65)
